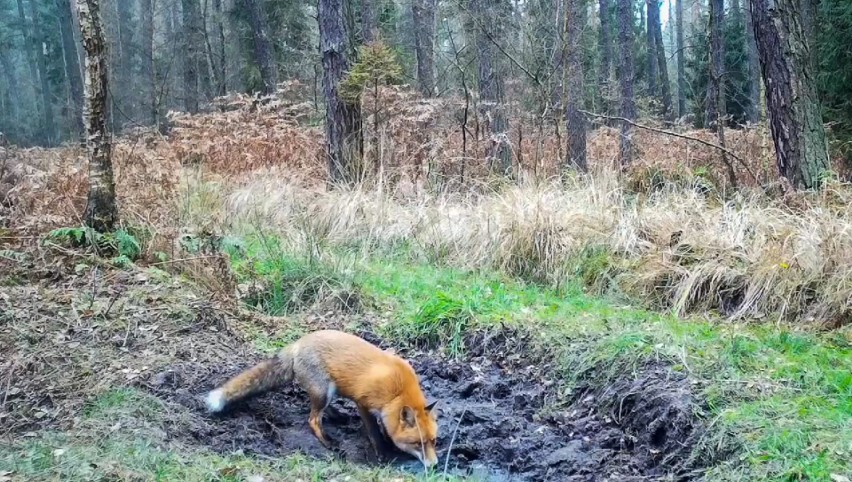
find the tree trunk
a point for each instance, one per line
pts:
(626, 78)
(498, 155)
(13, 120)
(263, 53)
(681, 62)
(670, 24)
(753, 107)
(423, 12)
(191, 43)
(48, 122)
(662, 68)
(101, 211)
(795, 116)
(343, 135)
(605, 46)
(575, 121)
(122, 74)
(72, 67)
(369, 25)
(38, 70)
(206, 73)
(30, 46)
(31, 50)
(221, 89)
(652, 47)
(715, 83)
(146, 69)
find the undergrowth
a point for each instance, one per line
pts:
(122, 246)
(278, 283)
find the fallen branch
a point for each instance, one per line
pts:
(676, 134)
(181, 260)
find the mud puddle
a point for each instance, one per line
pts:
(493, 403)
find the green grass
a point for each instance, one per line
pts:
(56, 456)
(778, 399)
(285, 283)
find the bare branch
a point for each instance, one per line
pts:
(676, 134)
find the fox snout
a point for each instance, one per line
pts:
(426, 455)
(429, 458)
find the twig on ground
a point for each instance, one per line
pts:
(8, 384)
(172, 261)
(452, 440)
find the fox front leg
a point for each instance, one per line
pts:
(374, 434)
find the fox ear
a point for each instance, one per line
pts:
(431, 406)
(408, 416)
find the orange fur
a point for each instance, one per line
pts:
(328, 363)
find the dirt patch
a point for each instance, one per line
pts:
(68, 334)
(496, 413)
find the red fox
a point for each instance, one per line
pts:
(328, 363)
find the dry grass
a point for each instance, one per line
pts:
(748, 257)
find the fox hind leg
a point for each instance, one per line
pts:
(320, 397)
(313, 377)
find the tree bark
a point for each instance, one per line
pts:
(715, 85)
(101, 211)
(652, 47)
(146, 69)
(626, 79)
(221, 89)
(13, 120)
(605, 47)
(207, 69)
(681, 62)
(38, 70)
(575, 121)
(263, 53)
(41, 56)
(123, 72)
(343, 134)
(490, 79)
(369, 24)
(795, 116)
(424, 12)
(30, 48)
(191, 42)
(662, 68)
(72, 66)
(753, 108)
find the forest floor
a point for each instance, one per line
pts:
(108, 350)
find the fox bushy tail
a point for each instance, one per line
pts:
(264, 376)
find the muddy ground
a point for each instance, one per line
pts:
(503, 410)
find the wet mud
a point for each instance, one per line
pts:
(501, 419)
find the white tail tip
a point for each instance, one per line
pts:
(216, 400)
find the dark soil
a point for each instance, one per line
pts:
(501, 408)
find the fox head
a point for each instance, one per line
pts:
(414, 430)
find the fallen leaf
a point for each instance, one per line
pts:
(230, 471)
(838, 478)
